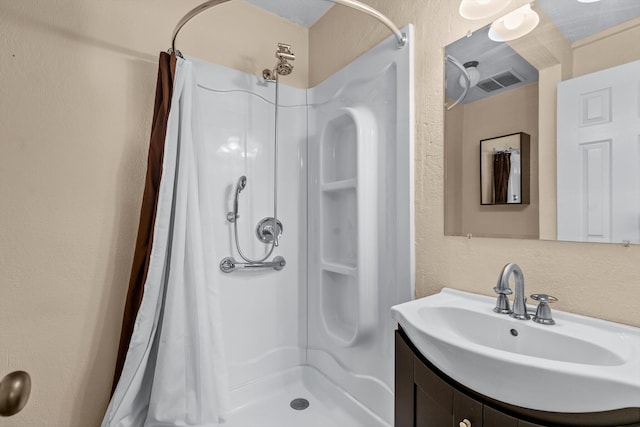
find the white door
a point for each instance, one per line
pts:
(599, 156)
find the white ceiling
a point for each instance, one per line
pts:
(575, 19)
(302, 12)
(578, 20)
(494, 58)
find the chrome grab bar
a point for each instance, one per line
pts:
(229, 264)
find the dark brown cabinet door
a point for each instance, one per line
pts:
(493, 418)
(434, 398)
(425, 397)
(430, 411)
(466, 408)
(528, 424)
(404, 413)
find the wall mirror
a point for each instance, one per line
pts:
(504, 170)
(528, 85)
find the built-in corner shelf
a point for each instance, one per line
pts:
(338, 268)
(348, 210)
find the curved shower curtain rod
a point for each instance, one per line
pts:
(354, 4)
(467, 80)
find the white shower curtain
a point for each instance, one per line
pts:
(175, 373)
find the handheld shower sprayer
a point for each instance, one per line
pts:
(268, 230)
(242, 182)
(233, 215)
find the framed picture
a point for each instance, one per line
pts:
(504, 169)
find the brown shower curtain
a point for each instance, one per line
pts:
(144, 241)
(501, 171)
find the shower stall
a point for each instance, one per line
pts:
(319, 329)
(311, 195)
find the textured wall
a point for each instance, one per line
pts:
(503, 114)
(454, 121)
(600, 280)
(76, 94)
(77, 82)
(619, 47)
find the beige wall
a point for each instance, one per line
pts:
(77, 82)
(454, 124)
(557, 60)
(548, 80)
(509, 112)
(600, 280)
(616, 46)
(545, 47)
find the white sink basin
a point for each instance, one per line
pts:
(580, 364)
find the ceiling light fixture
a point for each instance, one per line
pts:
(588, 1)
(514, 25)
(480, 9)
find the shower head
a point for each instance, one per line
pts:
(283, 68)
(284, 55)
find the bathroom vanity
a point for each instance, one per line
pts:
(426, 397)
(460, 363)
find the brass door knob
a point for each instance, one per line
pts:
(465, 423)
(14, 393)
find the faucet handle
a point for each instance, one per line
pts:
(502, 291)
(543, 298)
(502, 303)
(543, 312)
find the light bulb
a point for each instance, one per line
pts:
(514, 19)
(480, 9)
(514, 25)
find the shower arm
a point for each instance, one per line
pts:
(402, 37)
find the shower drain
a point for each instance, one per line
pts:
(299, 404)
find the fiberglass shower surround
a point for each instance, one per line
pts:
(344, 199)
(318, 329)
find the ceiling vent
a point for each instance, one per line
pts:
(500, 81)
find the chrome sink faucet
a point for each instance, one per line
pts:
(502, 289)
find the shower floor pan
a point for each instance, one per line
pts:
(267, 403)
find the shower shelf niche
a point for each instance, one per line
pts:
(348, 226)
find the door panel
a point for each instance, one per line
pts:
(467, 408)
(599, 156)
